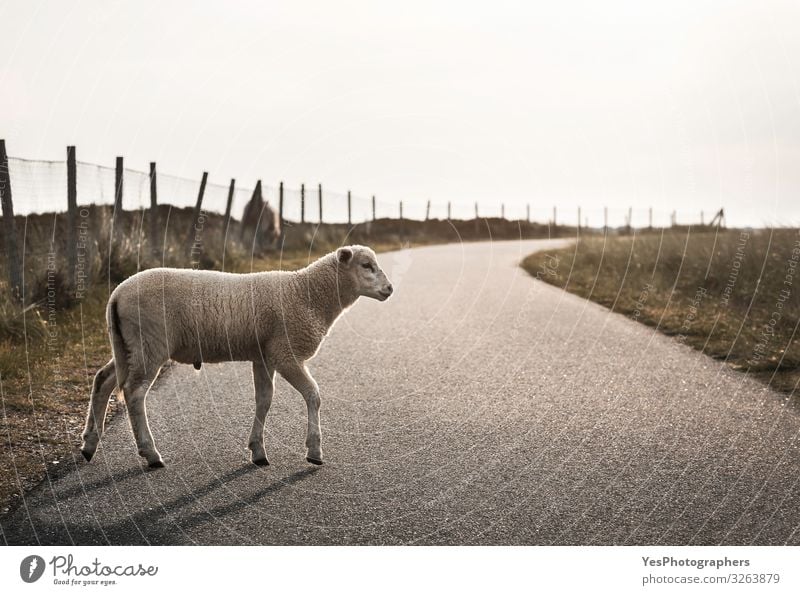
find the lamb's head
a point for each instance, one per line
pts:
(360, 264)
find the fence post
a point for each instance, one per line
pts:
(302, 203)
(228, 205)
(116, 215)
(154, 244)
(194, 243)
(72, 219)
(9, 225)
(448, 210)
(428, 211)
(579, 219)
(118, 184)
(502, 210)
(319, 190)
(555, 221)
(373, 207)
(605, 219)
(476, 211)
(280, 210)
(349, 209)
(528, 213)
(401, 210)
(702, 218)
(650, 218)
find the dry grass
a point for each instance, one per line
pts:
(735, 295)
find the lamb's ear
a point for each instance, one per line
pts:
(344, 255)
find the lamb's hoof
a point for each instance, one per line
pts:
(261, 462)
(87, 454)
(159, 464)
(314, 461)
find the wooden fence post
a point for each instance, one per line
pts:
(605, 219)
(228, 205)
(476, 210)
(349, 209)
(428, 211)
(373, 207)
(118, 184)
(555, 221)
(154, 243)
(319, 190)
(72, 219)
(280, 209)
(116, 215)
(528, 213)
(579, 218)
(302, 203)
(650, 218)
(9, 225)
(448, 210)
(194, 243)
(502, 210)
(401, 210)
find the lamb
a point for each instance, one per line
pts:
(277, 320)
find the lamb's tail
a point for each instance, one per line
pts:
(117, 343)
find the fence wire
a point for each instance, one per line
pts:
(41, 187)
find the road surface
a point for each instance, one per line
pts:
(477, 406)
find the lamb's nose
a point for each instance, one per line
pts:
(389, 289)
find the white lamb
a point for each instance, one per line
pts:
(275, 319)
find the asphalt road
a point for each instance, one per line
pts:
(477, 406)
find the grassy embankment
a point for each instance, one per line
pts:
(51, 348)
(735, 294)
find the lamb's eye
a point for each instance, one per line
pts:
(367, 266)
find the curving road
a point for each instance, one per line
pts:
(477, 406)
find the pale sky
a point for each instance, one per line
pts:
(684, 105)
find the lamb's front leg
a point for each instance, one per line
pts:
(263, 377)
(297, 375)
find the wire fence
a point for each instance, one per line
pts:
(67, 186)
(41, 187)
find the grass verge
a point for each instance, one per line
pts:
(733, 294)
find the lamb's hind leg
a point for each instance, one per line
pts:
(104, 382)
(302, 381)
(135, 391)
(263, 381)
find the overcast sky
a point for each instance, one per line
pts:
(682, 105)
